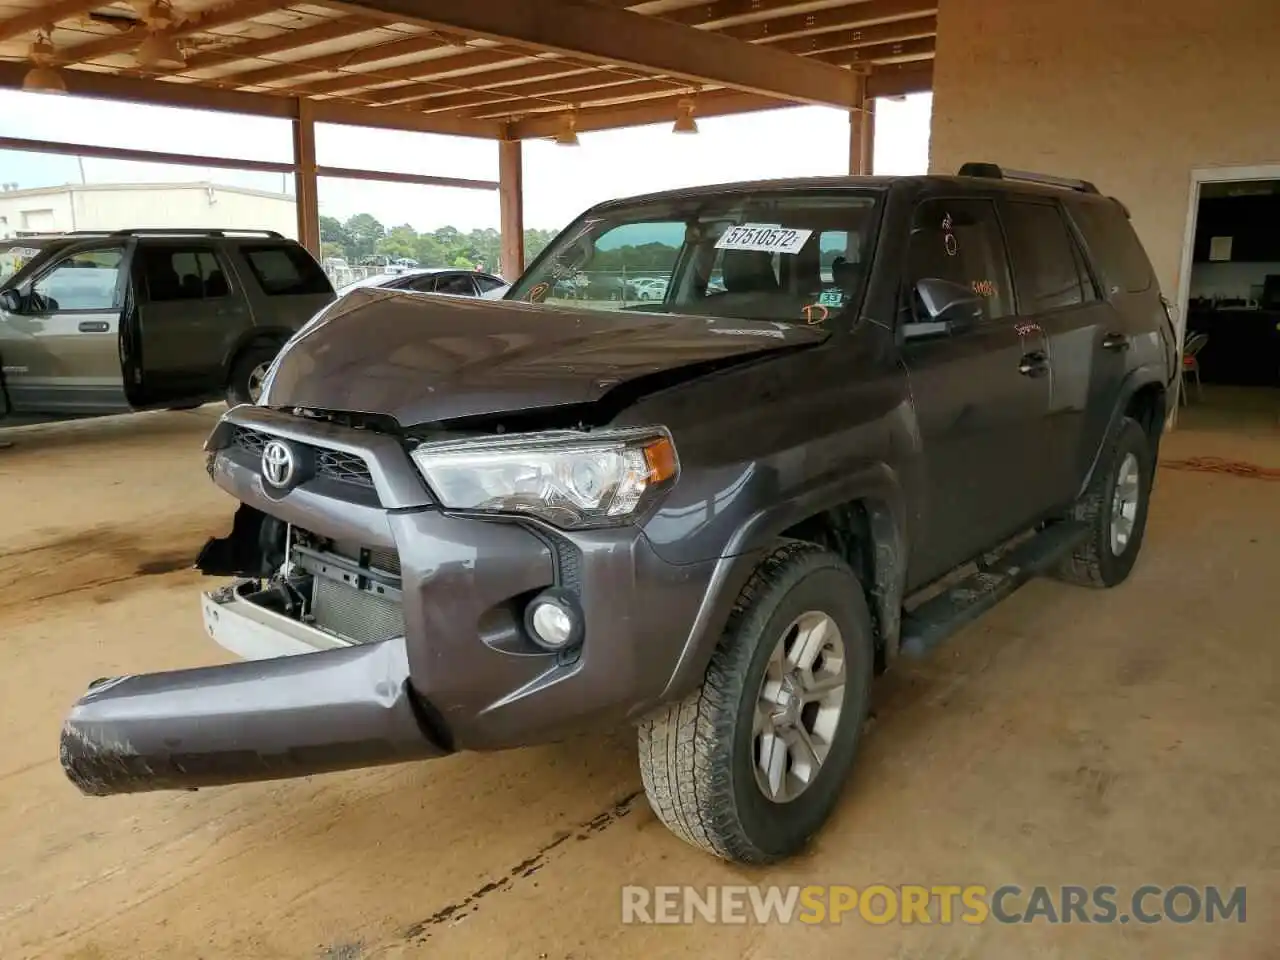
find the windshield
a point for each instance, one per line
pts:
(16, 254)
(797, 257)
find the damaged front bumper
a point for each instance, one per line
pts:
(258, 720)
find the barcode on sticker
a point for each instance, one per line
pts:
(763, 237)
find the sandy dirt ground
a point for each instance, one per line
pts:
(1069, 737)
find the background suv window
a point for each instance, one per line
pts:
(960, 241)
(284, 270)
(182, 273)
(1044, 258)
(87, 280)
(457, 284)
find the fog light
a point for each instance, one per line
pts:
(553, 622)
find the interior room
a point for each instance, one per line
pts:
(1232, 350)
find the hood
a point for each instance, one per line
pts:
(422, 358)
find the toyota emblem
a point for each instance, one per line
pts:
(277, 464)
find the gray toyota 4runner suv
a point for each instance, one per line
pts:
(865, 410)
(107, 323)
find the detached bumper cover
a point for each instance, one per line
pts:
(258, 720)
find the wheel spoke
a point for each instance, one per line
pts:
(817, 687)
(773, 764)
(812, 636)
(805, 761)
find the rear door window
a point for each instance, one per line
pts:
(284, 270)
(960, 241)
(183, 273)
(487, 283)
(1043, 255)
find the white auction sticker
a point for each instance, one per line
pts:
(768, 238)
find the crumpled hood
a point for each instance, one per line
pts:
(424, 357)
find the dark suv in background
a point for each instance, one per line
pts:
(103, 323)
(864, 411)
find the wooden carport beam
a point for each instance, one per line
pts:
(612, 36)
(511, 208)
(889, 81)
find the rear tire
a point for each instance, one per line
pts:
(704, 760)
(245, 382)
(1115, 510)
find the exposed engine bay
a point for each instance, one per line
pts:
(347, 590)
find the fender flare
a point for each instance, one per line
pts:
(1135, 380)
(875, 486)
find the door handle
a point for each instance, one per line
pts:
(94, 326)
(1115, 341)
(1034, 364)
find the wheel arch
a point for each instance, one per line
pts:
(861, 516)
(1143, 395)
(257, 336)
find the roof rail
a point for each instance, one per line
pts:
(193, 232)
(991, 171)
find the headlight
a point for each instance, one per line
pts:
(570, 479)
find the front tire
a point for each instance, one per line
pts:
(1115, 510)
(749, 765)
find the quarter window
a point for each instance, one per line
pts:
(1044, 258)
(960, 241)
(285, 270)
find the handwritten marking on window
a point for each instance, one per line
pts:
(984, 288)
(539, 292)
(949, 242)
(815, 313)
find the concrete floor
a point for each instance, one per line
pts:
(1069, 737)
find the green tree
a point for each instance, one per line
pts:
(365, 232)
(401, 241)
(333, 233)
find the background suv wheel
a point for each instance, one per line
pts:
(749, 765)
(248, 371)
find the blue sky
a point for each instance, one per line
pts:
(559, 181)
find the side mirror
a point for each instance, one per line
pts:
(952, 308)
(10, 301)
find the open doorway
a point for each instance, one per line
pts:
(1231, 302)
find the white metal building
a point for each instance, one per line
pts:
(115, 206)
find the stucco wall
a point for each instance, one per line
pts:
(1130, 94)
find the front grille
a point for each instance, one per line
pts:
(346, 467)
(354, 614)
(333, 464)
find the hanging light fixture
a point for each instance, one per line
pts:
(160, 50)
(684, 118)
(568, 135)
(43, 77)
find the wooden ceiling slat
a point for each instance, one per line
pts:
(592, 32)
(288, 40)
(892, 32)
(217, 16)
(863, 14)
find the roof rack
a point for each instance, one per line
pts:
(991, 171)
(193, 232)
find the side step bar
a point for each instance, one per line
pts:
(256, 720)
(926, 626)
